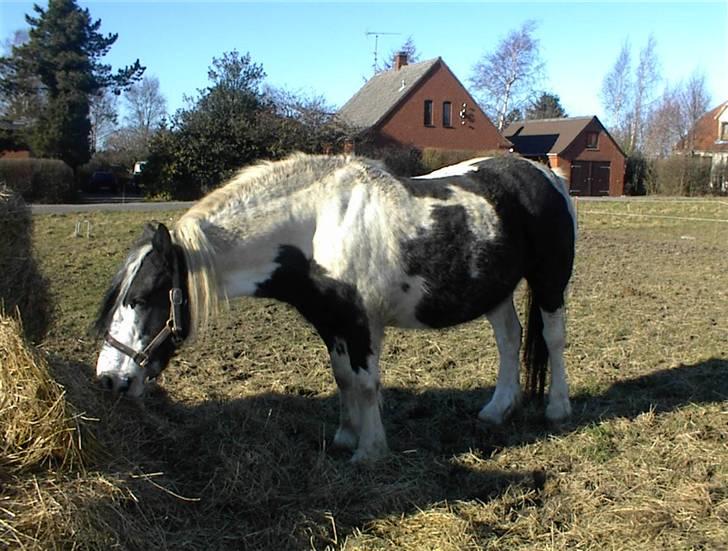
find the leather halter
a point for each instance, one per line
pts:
(172, 328)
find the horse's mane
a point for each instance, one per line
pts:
(267, 180)
(197, 230)
(202, 282)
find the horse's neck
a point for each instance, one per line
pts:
(247, 243)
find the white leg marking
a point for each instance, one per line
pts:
(347, 435)
(554, 332)
(372, 439)
(360, 427)
(507, 395)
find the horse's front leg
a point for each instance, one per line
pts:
(347, 435)
(360, 427)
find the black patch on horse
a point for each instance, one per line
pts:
(445, 256)
(535, 241)
(333, 307)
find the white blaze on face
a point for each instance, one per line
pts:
(116, 365)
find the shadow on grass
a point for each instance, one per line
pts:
(256, 472)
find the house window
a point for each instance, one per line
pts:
(428, 112)
(724, 131)
(592, 139)
(446, 114)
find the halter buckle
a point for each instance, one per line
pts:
(175, 296)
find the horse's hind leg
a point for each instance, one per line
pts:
(507, 395)
(554, 333)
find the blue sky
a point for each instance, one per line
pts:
(322, 48)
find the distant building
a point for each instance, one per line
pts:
(709, 138)
(9, 144)
(580, 146)
(422, 105)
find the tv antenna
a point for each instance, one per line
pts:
(376, 35)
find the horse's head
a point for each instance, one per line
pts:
(144, 315)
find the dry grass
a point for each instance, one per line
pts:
(231, 450)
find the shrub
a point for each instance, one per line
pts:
(432, 158)
(38, 180)
(681, 175)
(636, 174)
(402, 161)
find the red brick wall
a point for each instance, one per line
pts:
(406, 125)
(606, 150)
(11, 154)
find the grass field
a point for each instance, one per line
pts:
(230, 450)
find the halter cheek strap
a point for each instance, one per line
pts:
(172, 328)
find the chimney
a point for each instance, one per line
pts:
(400, 60)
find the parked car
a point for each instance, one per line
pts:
(102, 179)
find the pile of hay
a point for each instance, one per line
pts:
(38, 427)
(46, 496)
(22, 287)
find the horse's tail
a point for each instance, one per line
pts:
(535, 351)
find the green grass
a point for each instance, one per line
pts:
(232, 451)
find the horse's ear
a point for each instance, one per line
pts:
(162, 241)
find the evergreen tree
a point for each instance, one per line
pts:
(63, 56)
(547, 106)
(409, 48)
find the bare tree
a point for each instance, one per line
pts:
(616, 95)
(507, 78)
(647, 76)
(146, 107)
(21, 96)
(664, 126)
(694, 101)
(103, 115)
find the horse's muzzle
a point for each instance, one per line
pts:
(111, 383)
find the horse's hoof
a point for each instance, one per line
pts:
(558, 410)
(492, 415)
(370, 455)
(345, 439)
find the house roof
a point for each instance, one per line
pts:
(706, 131)
(382, 93)
(544, 136)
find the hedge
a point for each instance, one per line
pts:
(38, 180)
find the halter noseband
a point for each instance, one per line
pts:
(172, 327)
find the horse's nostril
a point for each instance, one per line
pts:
(106, 382)
(124, 384)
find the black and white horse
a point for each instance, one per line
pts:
(356, 249)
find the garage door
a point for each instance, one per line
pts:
(590, 178)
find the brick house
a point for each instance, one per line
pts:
(9, 148)
(709, 138)
(580, 146)
(422, 105)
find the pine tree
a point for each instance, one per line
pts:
(547, 106)
(63, 56)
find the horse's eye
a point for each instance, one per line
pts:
(140, 302)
